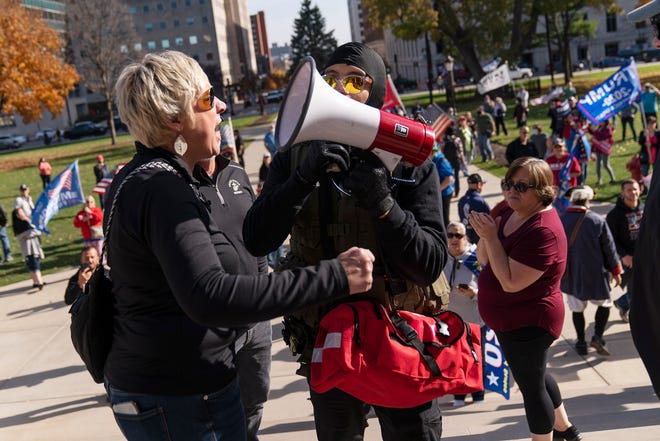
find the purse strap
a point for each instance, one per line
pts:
(148, 166)
(576, 228)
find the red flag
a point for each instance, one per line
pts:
(392, 98)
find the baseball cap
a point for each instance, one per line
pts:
(646, 11)
(266, 155)
(99, 158)
(475, 178)
(580, 193)
(23, 187)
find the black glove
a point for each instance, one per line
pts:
(319, 157)
(367, 181)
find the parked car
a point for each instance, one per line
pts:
(274, 96)
(516, 72)
(40, 133)
(19, 140)
(402, 84)
(612, 62)
(84, 128)
(492, 65)
(120, 126)
(8, 142)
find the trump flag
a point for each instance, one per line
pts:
(617, 92)
(63, 191)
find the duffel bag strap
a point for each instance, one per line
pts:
(411, 337)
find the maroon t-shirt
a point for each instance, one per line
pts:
(541, 244)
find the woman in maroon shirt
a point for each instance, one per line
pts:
(522, 302)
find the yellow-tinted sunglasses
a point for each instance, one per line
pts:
(206, 102)
(351, 83)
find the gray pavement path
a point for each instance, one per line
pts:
(46, 394)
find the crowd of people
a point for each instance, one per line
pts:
(194, 295)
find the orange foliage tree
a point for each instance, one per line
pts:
(33, 74)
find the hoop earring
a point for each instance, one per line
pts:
(180, 145)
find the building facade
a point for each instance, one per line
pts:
(260, 43)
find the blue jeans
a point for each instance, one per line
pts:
(484, 147)
(253, 358)
(203, 417)
(5, 243)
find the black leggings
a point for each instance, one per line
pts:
(526, 350)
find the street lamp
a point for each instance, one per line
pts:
(449, 67)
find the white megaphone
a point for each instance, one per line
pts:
(312, 110)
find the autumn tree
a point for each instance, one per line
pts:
(309, 37)
(102, 39)
(33, 75)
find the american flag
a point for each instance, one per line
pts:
(104, 183)
(65, 179)
(64, 191)
(438, 120)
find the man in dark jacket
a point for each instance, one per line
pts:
(624, 222)
(472, 201)
(227, 188)
(521, 147)
(645, 312)
(89, 260)
(400, 221)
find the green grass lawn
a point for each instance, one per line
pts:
(62, 247)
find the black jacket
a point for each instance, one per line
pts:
(624, 224)
(412, 236)
(72, 291)
(516, 149)
(178, 299)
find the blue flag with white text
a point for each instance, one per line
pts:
(616, 93)
(497, 375)
(63, 191)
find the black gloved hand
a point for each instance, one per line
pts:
(321, 156)
(367, 181)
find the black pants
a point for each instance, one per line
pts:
(339, 416)
(526, 350)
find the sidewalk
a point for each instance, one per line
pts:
(46, 393)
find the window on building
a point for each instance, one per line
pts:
(187, 3)
(174, 5)
(207, 38)
(165, 43)
(201, 2)
(137, 47)
(159, 6)
(192, 39)
(132, 10)
(123, 49)
(176, 23)
(610, 22)
(582, 52)
(151, 45)
(205, 19)
(611, 49)
(145, 8)
(640, 24)
(209, 56)
(148, 27)
(178, 41)
(162, 25)
(190, 21)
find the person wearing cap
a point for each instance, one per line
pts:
(645, 302)
(28, 236)
(521, 146)
(400, 222)
(592, 264)
(100, 172)
(650, 100)
(472, 201)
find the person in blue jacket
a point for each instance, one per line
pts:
(446, 174)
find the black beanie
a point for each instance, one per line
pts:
(362, 56)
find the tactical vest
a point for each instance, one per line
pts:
(339, 223)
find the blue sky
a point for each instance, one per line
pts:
(281, 13)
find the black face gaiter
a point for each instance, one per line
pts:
(367, 59)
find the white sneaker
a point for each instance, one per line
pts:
(458, 403)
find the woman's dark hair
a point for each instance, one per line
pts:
(540, 177)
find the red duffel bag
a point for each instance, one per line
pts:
(395, 359)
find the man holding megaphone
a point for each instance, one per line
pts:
(330, 195)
